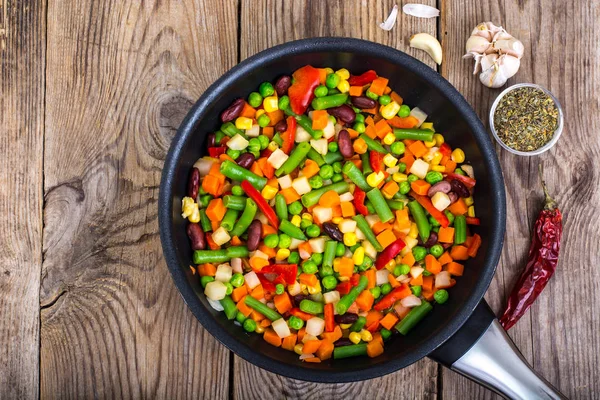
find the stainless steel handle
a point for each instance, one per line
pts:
(496, 363)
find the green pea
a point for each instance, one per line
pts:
(325, 271)
(321, 91)
(376, 292)
(326, 171)
(359, 117)
(355, 109)
(367, 262)
(254, 144)
(419, 252)
(237, 279)
(313, 231)
(305, 223)
(266, 89)
(340, 249)
(249, 325)
(332, 80)
(239, 317)
(416, 290)
(264, 141)
(309, 267)
(459, 171)
(404, 111)
(426, 273)
(434, 177)
(436, 250)
(404, 187)
(359, 127)
(284, 102)
(271, 240)
(255, 99)
(295, 323)
(233, 153)
(237, 190)
(372, 95)
(329, 282)
(386, 288)
(385, 99)
(294, 258)
(263, 120)
(433, 221)
(205, 280)
(450, 216)
(398, 148)
(285, 241)
(412, 178)
(316, 182)
(295, 208)
(337, 167)
(317, 258)
(441, 296)
(332, 147)
(397, 270)
(436, 229)
(279, 288)
(401, 167)
(228, 288)
(385, 333)
(337, 178)
(404, 269)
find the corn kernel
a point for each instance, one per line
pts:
(355, 337)
(259, 329)
(429, 156)
(258, 113)
(374, 179)
(389, 139)
(298, 348)
(350, 239)
(414, 231)
(307, 216)
(429, 144)
(458, 156)
(469, 200)
(389, 160)
(195, 217)
(271, 104)
(343, 86)
(296, 220)
(359, 256)
(428, 126)
(187, 206)
(471, 211)
(328, 70)
(269, 192)
(438, 168)
(366, 336)
(273, 146)
(282, 254)
(314, 289)
(243, 123)
(439, 139)
(345, 326)
(336, 264)
(437, 158)
(390, 265)
(343, 73)
(389, 111)
(399, 177)
(337, 220)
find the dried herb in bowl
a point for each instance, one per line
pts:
(526, 118)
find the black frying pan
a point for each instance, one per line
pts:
(460, 333)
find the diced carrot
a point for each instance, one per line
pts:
(329, 199)
(455, 268)
(268, 131)
(468, 241)
(336, 211)
(402, 215)
(290, 195)
(347, 209)
(432, 265)
(255, 168)
(308, 279)
(418, 149)
(382, 128)
(266, 168)
(282, 302)
(378, 86)
(322, 75)
(359, 146)
(332, 336)
(365, 300)
(445, 258)
(325, 350)
(369, 121)
(392, 280)
(239, 293)
(320, 119)
(355, 91)
(248, 111)
(312, 360)
(346, 267)
(427, 294)
(403, 123)
(428, 282)
(265, 322)
(418, 281)
(310, 169)
(243, 308)
(268, 251)
(306, 247)
(268, 230)
(235, 241)
(214, 225)
(311, 346)
(215, 169)
(371, 276)
(352, 132)
(256, 316)
(397, 98)
(374, 348)
(444, 160)
(386, 238)
(258, 292)
(211, 243)
(379, 227)
(408, 259)
(373, 316)
(420, 187)
(474, 245)
(215, 210)
(389, 321)
(275, 117)
(459, 207)
(408, 159)
(390, 189)
(387, 90)
(450, 166)
(207, 270)
(370, 131)
(357, 162)
(301, 334)
(459, 253)
(353, 309)
(211, 185)
(257, 263)
(446, 235)
(289, 342)
(271, 337)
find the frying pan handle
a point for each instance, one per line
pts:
(482, 351)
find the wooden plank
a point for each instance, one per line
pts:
(267, 23)
(554, 336)
(22, 59)
(122, 75)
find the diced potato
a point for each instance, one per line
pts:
(302, 135)
(329, 130)
(347, 225)
(277, 158)
(440, 201)
(238, 142)
(254, 131)
(320, 146)
(220, 236)
(315, 326)
(285, 182)
(317, 244)
(224, 273)
(322, 214)
(301, 185)
(331, 297)
(251, 280)
(419, 168)
(281, 328)
(215, 290)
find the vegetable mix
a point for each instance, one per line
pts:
(329, 215)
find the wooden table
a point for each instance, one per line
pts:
(91, 94)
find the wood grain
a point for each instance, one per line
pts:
(121, 76)
(558, 336)
(22, 59)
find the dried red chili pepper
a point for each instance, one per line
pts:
(541, 262)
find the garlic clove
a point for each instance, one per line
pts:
(509, 65)
(512, 47)
(429, 44)
(477, 44)
(488, 61)
(491, 78)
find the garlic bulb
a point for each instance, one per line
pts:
(496, 53)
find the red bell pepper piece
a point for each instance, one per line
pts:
(428, 205)
(354, 279)
(392, 297)
(469, 182)
(389, 253)
(344, 287)
(473, 221)
(215, 152)
(301, 314)
(289, 135)
(363, 79)
(445, 149)
(261, 203)
(266, 153)
(359, 201)
(373, 327)
(301, 93)
(328, 314)
(272, 275)
(376, 161)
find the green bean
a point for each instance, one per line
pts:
(304, 122)
(334, 100)
(395, 204)
(414, 134)
(261, 308)
(291, 230)
(418, 214)
(342, 306)
(333, 156)
(316, 157)
(329, 253)
(277, 139)
(245, 219)
(281, 207)
(234, 202)
(460, 229)
(210, 256)
(363, 225)
(359, 324)
(297, 156)
(229, 307)
(311, 307)
(311, 198)
(237, 251)
(237, 173)
(229, 129)
(356, 176)
(413, 317)
(381, 207)
(352, 350)
(229, 219)
(219, 135)
(205, 221)
(366, 163)
(372, 144)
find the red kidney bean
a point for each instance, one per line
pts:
(459, 188)
(348, 318)
(212, 140)
(343, 112)
(433, 238)
(281, 126)
(196, 235)
(245, 160)
(441, 186)
(233, 111)
(254, 235)
(342, 342)
(333, 231)
(453, 197)
(345, 144)
(194, 183)
(298, 298)
(363, 102)
(282, 85)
